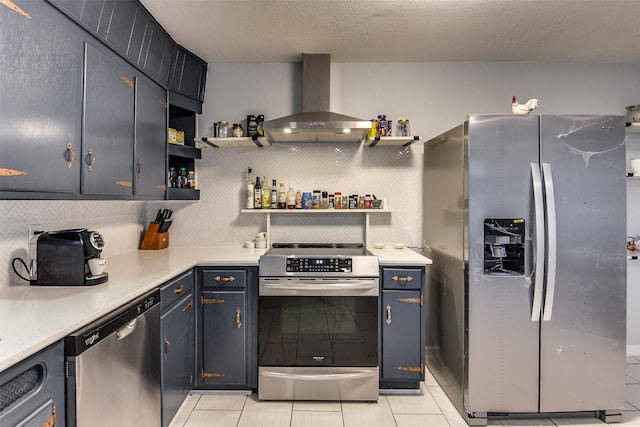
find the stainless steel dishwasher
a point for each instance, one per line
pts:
(113, 368)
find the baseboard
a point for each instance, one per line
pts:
(633, 350)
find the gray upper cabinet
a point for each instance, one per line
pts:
(40, 105)
(107, 156)
(150, 139)
(188, 74)
(128, 28)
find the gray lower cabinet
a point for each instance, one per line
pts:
(402, 328)
(40, 100)
(32, 390)
(177, 343)
(227, 330)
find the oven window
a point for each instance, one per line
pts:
(318, 331)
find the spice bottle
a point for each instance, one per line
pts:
(182, 178)
(338, 200)
(368, 204)
(172, 177)
(315, 200)
(403, 127)
(191, 180)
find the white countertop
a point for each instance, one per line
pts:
(33, 317)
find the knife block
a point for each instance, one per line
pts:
(153, 239)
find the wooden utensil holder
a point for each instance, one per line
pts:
(153, 239)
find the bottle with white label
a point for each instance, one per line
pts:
(274, 195)
(282, 197)
(291, 198)
(249, 190)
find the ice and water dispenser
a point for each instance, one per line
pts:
(504, 246)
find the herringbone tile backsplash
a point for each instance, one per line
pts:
(215, 220)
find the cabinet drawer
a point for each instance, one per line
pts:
(176, 288)
(224, 278)
(401, 278)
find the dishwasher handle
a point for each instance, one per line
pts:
(124, 331)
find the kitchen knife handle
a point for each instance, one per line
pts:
(552, 241)
(538, 266)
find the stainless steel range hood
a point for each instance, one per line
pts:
(316, 123)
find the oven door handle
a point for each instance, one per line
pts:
(324, 286)
(320, 377)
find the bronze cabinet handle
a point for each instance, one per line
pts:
(238, 322)
(69, 155)
(225, 279)
(178, 290)
(188, 306)
(388, 321)
(402, 279)
(90, 159)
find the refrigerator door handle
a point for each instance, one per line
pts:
(538, 203)
(551, 241)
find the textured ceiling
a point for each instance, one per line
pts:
(603, 31)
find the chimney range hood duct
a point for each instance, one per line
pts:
(316, 123)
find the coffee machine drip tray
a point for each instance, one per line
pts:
(97, 279)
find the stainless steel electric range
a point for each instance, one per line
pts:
(318, 322)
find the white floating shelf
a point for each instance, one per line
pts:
(392, 141)
(312, 211)
(234, 142)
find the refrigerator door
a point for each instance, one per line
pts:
(502, 340)
(582, 355)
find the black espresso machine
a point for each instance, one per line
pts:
(63, 256)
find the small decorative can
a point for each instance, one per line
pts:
(306, 200)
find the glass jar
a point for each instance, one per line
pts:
(223, 129)
(403, 127)
(238, 132)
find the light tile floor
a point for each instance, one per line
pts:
(431, 408)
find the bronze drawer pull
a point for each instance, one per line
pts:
(225, 279)
(178, 290)
(238, 322)
(412, 368)
(204, 301)
(402, 279)
(188, 306)
(204, 375)
(413, 300)
(388, 321)
(90, 159)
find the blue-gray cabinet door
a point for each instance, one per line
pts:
(177, 326)
(401, 331)
(108, 131)
(40, 99)
(150, 139)
(224, 326)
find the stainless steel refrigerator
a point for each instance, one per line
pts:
(525, 220)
